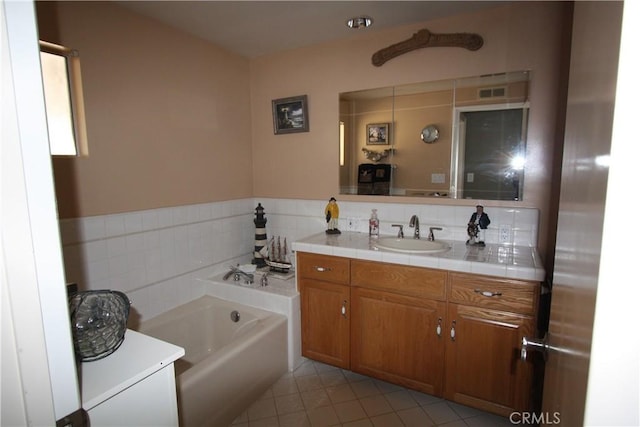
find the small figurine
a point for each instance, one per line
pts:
(332, 212)
(477, 226)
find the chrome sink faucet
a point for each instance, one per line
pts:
(431, 237)
(415, 222)
(400, 231)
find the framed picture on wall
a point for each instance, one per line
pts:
(290, 115)
(378, 134)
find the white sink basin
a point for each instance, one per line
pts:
(412, 246)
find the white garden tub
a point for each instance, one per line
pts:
(228, 364)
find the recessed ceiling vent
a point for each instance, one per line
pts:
(492, 92)
(359, 22)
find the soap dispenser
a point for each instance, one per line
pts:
(374, 224)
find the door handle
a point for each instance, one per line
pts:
(535, 344)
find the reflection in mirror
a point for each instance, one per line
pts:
(359, 154)
(481, 123)
(429, 134)
(490, 146)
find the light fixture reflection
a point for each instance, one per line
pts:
(341, 143)
(518, 162)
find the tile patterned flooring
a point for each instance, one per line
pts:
(317, 394)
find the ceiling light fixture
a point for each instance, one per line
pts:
(359, 22)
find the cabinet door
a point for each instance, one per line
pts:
(150, 402)
(325, 322)
(483, 365)
(398, 339)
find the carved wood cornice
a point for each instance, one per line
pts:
(425, 38)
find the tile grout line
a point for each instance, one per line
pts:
(407, 402)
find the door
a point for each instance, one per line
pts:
(592, 370)
(36, 328)
(398, 338)
(494, 379)
(325, 322)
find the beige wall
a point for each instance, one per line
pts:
(168, 115)
(518, 36)
(173, 120)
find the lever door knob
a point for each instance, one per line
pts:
(534, 344)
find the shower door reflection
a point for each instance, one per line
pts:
(491, 152)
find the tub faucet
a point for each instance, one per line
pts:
(415, 222)
(237, 274)
(248, 277)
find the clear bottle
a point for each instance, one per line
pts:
(374, 224)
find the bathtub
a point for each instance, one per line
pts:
(227, 364)
(280, 296)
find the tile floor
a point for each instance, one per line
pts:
(317, 394)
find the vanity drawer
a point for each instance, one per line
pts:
(492, 292)
(399, 279)
(323, 267)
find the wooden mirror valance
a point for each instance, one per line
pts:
(425, 38)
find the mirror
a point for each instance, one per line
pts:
(462, 138)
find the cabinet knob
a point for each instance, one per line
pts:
(321, 269)
(487, 293)
(453, 330)
(343, 310)
(439, 327)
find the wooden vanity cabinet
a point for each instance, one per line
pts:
(445, 333)
(487, 319)
(323, 283)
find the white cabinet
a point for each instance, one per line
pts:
(133, 386)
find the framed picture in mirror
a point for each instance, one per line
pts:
(290, 115)
(378, 134)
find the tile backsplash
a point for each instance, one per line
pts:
(300, 218)
(155, 256)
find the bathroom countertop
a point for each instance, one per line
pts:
(514, 262)
(138, 357)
